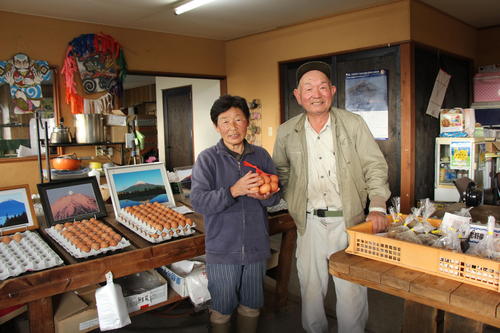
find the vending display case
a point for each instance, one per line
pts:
(456, 158)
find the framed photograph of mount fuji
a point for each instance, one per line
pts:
(16, 210)
(132, 185)
(71, 200)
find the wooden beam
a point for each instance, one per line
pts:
(407, 127)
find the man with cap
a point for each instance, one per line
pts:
(329, 166)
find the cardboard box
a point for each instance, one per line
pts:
(77, 311)
(117, 133)
(146, 108)
(451, 120)
(116, 118)
(155, 286)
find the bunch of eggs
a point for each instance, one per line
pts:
(7, 239)
(269, 184)
(158, 219)
(87, 235)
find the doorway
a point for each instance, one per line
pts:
(178, 126)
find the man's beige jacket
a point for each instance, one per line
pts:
(361, 166)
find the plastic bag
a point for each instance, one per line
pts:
(111, 308)
(487, 247)
(423, 225)
(454, 229)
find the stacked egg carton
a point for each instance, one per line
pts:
(87, 238)
(156, 222)
(24, 252)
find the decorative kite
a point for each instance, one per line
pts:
(94, 70)
(25, 77)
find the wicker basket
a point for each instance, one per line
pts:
(444, 263)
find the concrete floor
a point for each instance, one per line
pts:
(182, 319)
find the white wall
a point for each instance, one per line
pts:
(205, 92)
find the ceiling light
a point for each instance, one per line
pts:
(190, 5)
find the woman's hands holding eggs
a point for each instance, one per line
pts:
(256, 186)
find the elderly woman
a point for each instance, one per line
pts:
(226, 192)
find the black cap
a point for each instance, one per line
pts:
(313, 66)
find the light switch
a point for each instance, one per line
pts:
(270, 131)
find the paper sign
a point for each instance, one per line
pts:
(438, 92)
(460, 155)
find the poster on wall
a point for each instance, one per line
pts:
(460, 155)
(366, 95)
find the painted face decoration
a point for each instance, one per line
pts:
(25, 77)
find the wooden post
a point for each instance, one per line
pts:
(457, 324)
(288, 240)
(406, 54)
(41, 316)
(419, 318)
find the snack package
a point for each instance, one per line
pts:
(453, 230)
(423, 226)
(111, 307)
(488, 246)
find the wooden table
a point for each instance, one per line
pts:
(37, 288)
(466, 307)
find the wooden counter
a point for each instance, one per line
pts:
(424, 294)
(37, 288)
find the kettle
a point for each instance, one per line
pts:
(60, 134)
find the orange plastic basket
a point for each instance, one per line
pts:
(444, 263)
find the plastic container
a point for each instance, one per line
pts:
(461, 267)
(487, 87)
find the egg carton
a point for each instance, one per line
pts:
(163, 235)
(76, 252)
(31, 253)
(142, 224)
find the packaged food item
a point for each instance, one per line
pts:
(488, 246)
(451, 120)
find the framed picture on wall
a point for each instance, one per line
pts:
(132, 185)
(16, 209)
(71, 200)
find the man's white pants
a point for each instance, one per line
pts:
(324, 236)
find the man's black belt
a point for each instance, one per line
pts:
(326, 213)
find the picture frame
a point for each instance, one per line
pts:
(71, 200)
(16, 210)
(132, 185)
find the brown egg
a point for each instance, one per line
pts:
(85, 248)
(117, 237)
(6, 239)
(104, 244)
(17, 237)
(59, 227)
(155, 236)
(67, 224)
(189, 222)
(95, 246)
(163, 234)
(112, 242)
(174, 224)
(182, 223)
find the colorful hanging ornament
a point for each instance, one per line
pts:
(25, 76)
(94, 66)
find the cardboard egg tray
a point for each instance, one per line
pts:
(25, 252)
(86, 238)
(155, 222)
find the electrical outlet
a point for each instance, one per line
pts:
(100, 151)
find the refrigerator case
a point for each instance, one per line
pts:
(456, 158)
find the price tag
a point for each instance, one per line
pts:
(144, 300)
